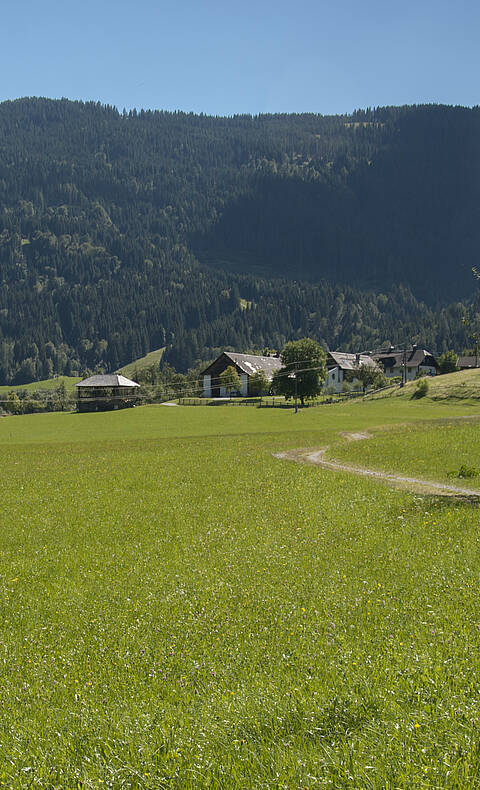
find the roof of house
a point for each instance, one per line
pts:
(107, 380)
(468, 362)
(414, 358)
(250, 363)
(347, 361)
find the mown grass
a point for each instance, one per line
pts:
(182, 610)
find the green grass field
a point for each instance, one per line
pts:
(45, 384)
(462, 385)
(180, 609)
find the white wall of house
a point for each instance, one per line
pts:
(334, 379)
(207, 386)
(412, 373)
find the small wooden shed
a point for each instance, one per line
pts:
(106, 392)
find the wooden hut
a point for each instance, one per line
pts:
(106, 392)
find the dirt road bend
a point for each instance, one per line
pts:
(317, 458)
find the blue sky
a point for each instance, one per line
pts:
(223, 58)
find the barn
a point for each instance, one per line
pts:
(245, 365)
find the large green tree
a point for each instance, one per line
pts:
(369, 376)
(303, 370)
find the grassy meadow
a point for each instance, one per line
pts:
(45, 384)
(180, 609)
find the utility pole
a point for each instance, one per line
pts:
(294, 376)
(403, 351)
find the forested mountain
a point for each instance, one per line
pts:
(123, 232)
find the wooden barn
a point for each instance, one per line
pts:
(245, 365)
(106, 392)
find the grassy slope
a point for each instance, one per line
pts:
(463, 385)
(183, 610)
(433, 452)
(48, 384)
(152, 358)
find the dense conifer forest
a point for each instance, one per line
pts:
(125, 232)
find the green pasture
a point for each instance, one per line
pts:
(442, 451)
(45, 384)
(180, 609)
(462, 385)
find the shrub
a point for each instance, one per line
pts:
(467, 471)
(421, 388)
(32, 406)
(13, 404)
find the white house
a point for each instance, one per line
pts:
(339, 363)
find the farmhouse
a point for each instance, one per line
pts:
(339, 364)
(245, 365)
(106, 392)
(415, 362)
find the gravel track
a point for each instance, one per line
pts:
(317, 458)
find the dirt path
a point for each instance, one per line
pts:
(317, 457)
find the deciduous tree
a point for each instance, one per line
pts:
(369, 376)
(259, 383)
(303, 371)
(448, 362)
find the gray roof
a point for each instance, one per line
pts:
(250, 364)
(347, 361)
(107, 380)
(414, 358)
(468, 362)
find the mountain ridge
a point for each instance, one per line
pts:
(125, 232)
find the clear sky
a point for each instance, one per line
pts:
(249, 56)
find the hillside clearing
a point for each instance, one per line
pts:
(152, 358)
(45, 384)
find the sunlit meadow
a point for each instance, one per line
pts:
(180, 609)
